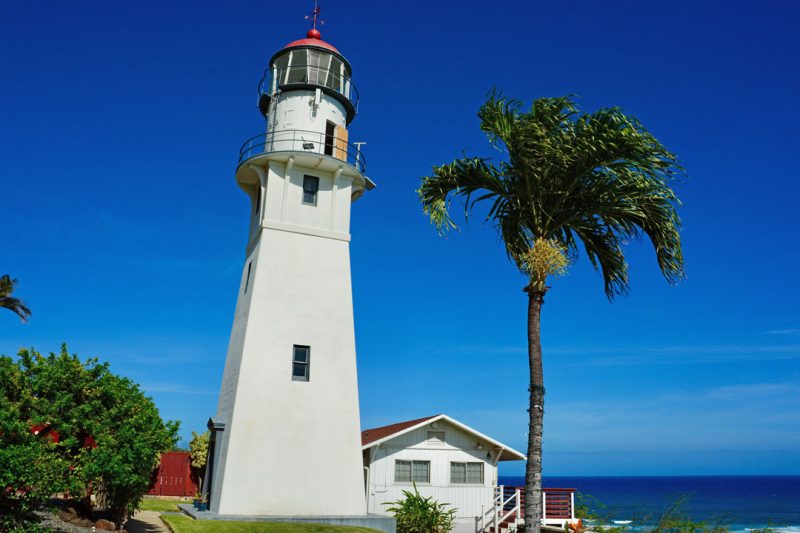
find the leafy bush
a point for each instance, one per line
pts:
(418, 514)
(32, 467)
(674, 520)
(198, 448)
(66, 426)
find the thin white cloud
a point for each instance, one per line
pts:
(738, 416)
(676, 354)
(475, 349)
(791, 331)
(177, 388)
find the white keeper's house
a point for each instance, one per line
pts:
(441, 456)
(455, 464)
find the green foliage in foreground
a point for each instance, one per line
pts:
(672, 520)
(417, 514)
(198, 449)
(184, 524)
(110, 435)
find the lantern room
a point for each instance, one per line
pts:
(309, 64)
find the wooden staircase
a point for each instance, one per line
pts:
(509, 511)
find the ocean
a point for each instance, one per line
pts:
(738, 503)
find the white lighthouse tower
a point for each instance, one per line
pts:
(286, 437)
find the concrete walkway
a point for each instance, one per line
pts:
(146, 522)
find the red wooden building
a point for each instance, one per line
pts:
(174, 476)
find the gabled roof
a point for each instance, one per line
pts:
(369, 436)
(376, 436)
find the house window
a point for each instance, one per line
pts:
(435, 438)
(300, 363)
(310, 189)
(466, 473)
(412, 471)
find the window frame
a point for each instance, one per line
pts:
(306, 364)
(465, 482)
(315, 192)
(439, 444)
(411, 471)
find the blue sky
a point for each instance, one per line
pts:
(121, 124)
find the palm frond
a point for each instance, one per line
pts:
(462, 177)
(9, 302)
(600, 178)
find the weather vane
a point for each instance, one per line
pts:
(314, 16)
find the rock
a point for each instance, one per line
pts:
(68, 514)
(82, 522)
(105, 525)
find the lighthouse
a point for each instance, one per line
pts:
(286, 436)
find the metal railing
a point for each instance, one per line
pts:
(303, 141)
(277, 78)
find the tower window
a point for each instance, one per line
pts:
(310, 189)
(330, 132)
(301, 361)
(247, 279)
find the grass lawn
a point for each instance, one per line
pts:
(184, 524)
(162, 506)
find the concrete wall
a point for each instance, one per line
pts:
(293, 447)
(296, 112)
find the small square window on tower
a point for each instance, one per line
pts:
(310, 189)
(301, 361)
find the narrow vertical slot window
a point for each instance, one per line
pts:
(310, 189)
(247, 278)
(301, 361)
(258, 199)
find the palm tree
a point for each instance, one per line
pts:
(9, 302)
(566, 179)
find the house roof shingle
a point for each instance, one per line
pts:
(371, 435)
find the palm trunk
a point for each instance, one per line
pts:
(533, 468)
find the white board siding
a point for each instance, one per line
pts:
(469, 500)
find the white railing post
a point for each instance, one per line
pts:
(544, 505)
(572, 505)
(519, 504)
(498, 509)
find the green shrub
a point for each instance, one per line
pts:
(418, 514)
(99, 430)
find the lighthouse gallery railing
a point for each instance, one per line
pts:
(303, 141)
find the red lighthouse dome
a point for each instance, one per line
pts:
(313, 38)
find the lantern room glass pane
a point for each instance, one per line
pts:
(298, 68)
(335, 74)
